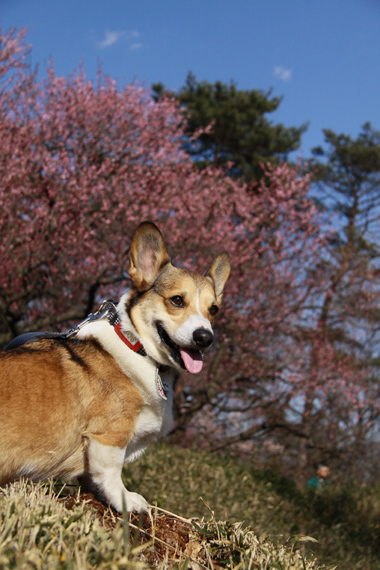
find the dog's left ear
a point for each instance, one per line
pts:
(148, 255)
(219, 271)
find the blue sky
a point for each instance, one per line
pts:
(322, 56)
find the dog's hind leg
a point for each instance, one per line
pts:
(105, 464)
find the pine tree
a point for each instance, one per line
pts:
(241, 133)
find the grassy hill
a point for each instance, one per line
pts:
(39, 531)
(344, 520)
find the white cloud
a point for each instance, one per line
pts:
(282, 73)
(113, 37)
(110, 38)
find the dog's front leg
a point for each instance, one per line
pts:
(105, 464)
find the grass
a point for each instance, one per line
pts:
(246, 519)
(38, 532)
(344, 520)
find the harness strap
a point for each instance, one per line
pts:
(29, 337)
(106, 311)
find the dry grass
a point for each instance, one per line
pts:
(39, 531)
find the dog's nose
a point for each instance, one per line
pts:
(203, 337)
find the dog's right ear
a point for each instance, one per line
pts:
(148, 255)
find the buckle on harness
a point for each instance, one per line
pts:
(106, 311)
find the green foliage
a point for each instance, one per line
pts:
(349, 175)
(240, 132)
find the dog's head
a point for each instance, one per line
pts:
(173, 309)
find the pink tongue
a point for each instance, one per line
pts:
(192, 359)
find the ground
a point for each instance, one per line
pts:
(165, 534)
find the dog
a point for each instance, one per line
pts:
(81, 404)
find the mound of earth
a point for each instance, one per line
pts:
(166, 535)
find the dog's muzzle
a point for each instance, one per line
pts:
(188, 357)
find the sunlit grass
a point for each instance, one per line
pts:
(38, 532)
(246, 519)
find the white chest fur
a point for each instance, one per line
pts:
(155, 419)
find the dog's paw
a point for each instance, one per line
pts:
(135, 503)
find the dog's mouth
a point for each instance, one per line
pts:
(188, 358)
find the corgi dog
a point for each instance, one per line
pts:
(80, 404)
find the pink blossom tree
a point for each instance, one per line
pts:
(82, 164)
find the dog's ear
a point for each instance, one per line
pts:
(219, 271)
(148, 255)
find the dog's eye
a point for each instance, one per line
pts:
(213, 310)
(177, 301)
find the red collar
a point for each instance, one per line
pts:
(130, 340)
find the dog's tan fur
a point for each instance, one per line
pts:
(81, 407)
(65, 399)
